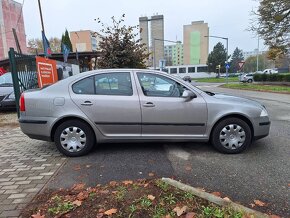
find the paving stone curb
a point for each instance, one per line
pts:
(214, 199)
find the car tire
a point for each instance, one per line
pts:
(231, 136)
(80, 138)
(250, 81)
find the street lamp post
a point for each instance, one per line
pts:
(227, 44)
(164, 40)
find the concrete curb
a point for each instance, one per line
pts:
(214, 199)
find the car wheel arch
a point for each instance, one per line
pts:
(64, 119)
(239, 116)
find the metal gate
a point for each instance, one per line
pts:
(24, 73)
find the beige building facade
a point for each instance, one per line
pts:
(85, 40)
(195, 43)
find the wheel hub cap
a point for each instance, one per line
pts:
(232, 136)
(73, 139)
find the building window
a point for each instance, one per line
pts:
(173, 70)
(182, 70)
(191, 70)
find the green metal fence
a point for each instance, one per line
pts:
(24, 73)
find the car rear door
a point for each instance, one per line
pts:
(165, 113)
(111, 101)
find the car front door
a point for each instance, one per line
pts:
(165, 113)
(111, 102)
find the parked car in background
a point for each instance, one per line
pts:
(7, 97)
(128, 105)
(270, 71)
(187, 79)
(246, 78)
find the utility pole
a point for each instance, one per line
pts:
(258, 56)
(40, 12)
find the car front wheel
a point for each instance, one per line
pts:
(231, 136)
(74, 138)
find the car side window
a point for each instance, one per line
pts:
(159, 86)
(84, 86)
(113, 84)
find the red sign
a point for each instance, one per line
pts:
(241, 64)
(47, 73)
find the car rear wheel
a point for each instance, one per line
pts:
(231, 136)
(250, 81)
(74, 138)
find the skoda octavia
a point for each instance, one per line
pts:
(127, 105)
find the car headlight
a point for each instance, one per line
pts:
(11, 95)
(264, 112)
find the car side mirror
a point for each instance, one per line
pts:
(188, 95)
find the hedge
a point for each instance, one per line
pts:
(272, 77)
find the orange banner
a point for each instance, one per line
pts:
(46, 70)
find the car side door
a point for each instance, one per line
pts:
(165, 113)
(110, 101)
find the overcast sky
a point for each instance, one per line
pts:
(227, 18)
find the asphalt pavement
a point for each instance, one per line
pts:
(260, 173)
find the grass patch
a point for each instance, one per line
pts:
(216, 80)
(152, 198)
(258, 87)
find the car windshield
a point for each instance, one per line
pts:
(6, 80)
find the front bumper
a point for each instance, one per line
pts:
(7, 103)
(261, 127)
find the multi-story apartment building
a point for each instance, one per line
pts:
(195, 45)
(85, 40)
(11, 17)
(174, 54)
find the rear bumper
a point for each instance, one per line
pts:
(39, 128)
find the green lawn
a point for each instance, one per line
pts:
(216, 80)
(257, 87)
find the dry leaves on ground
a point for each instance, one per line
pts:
(151, 174)
(179, 211)
(127, 182)
(151, 197)
(37, 215)
(259, 203)
(217, 194)
(111, 211)
(78, 186)
(77, 203)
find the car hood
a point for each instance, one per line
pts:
(235, 99)
(5, 90)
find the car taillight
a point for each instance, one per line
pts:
(22, 103)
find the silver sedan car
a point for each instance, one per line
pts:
(130, 105)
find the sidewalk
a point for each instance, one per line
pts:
(26, 165)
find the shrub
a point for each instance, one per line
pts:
(272, 77)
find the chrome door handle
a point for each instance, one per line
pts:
(87, 103)
(149, 104)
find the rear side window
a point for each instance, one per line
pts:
(84, 86)
(113, 84)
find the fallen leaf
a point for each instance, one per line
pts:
(113, 183)
(102, 210)
(274, 216)
(145, 185)
(100, 215)
(259, 203)
(151, 197)
(217, 194)
(151, 174)
(37, 215)
(127, 182)
(77, 167)
(114, 192)
(190, 215)
(82, 196)
(78, 186)
(77, 203)
(179, 211)
(111, 211)
(252, 205)
(226, 199)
